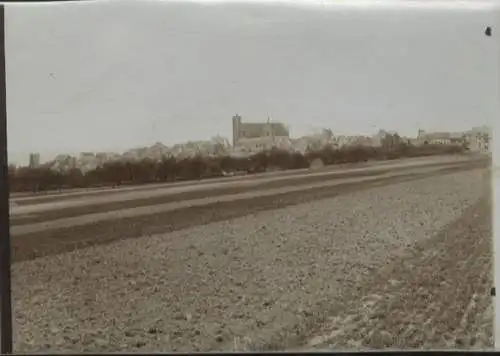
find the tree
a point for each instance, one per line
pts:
(465, 143)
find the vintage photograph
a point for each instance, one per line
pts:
(251, 176)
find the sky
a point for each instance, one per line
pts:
(113, 75)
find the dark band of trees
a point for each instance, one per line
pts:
(170, 169)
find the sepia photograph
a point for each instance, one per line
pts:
(198, 176)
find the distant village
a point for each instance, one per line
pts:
(252, 137)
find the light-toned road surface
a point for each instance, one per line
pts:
(283, 271)
(135, 192)
(127, 194)
(163, 208)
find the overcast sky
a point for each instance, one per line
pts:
(114, 75)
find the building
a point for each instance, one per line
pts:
(61, 163)
(34, 160)
(87, 161)
(381, 137)
(259, 144)
(357, 140)
(479, 139)
(253, 130)
(434, 138)
(440, 138)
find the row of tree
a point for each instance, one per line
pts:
(170, 169)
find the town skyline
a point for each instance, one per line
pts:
(22, 157)
(107, 90)
(230, 147)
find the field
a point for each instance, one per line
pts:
(368, 257)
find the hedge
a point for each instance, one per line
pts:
(170, 169)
